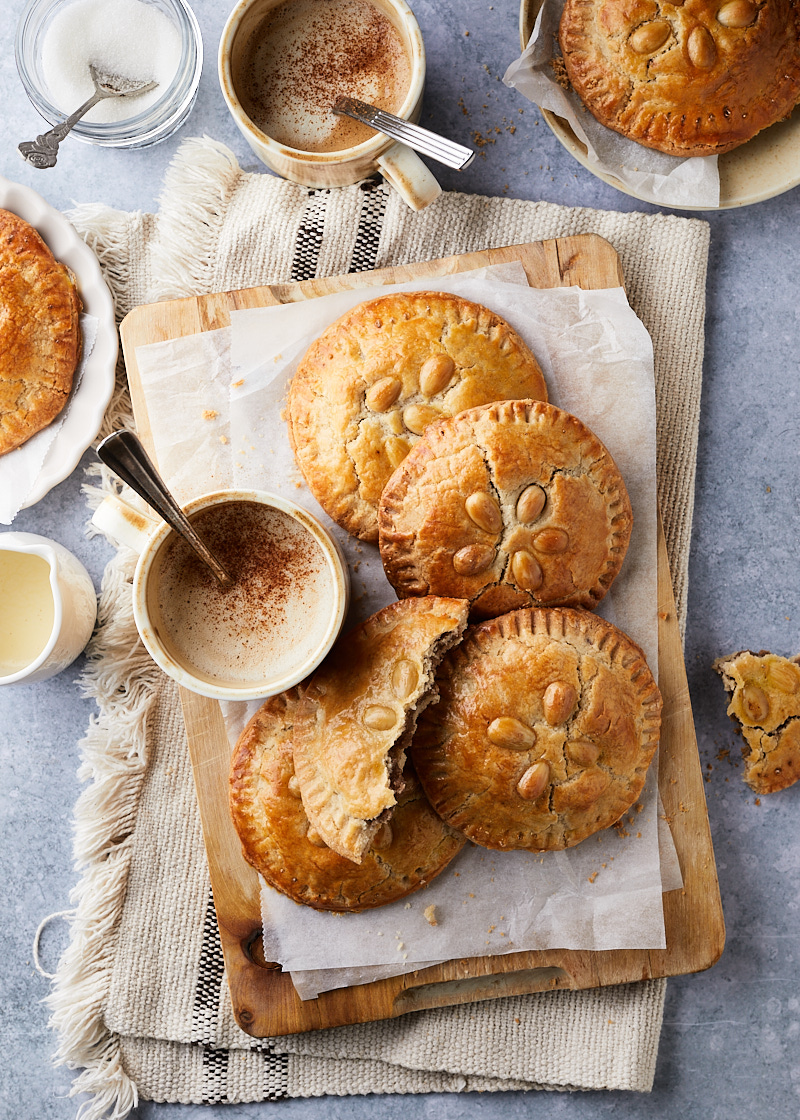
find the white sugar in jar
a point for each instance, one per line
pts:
(149, 40)
(125, 37)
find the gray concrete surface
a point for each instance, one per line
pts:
(729, 1047)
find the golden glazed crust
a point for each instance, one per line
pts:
(277, 840)
(369, 386)
(509, 505)
(359, 710)
(691, 79)
(765, 703)
(39, 332)
(546, 725)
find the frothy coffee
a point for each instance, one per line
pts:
(306, 53)
(274, 617)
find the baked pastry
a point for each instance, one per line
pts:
(40, 338)
(765, 703)
(546, 724)
(691, 79)
(278, 841)
(369, 386)
(510, 505)
(358, 712)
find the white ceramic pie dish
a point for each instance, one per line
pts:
(92, 396)
(765, 166)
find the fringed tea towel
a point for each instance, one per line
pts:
(140, 1002)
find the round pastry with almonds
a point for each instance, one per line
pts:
(690, 78)
(510, 505)
(368, 388)
(277, 839)
(546, 725)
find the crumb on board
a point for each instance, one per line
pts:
(223, 439)
(236, 384)
(593, 876)
(210, 414)
(429, 914)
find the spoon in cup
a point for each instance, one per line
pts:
(123, 452)
(420, 139)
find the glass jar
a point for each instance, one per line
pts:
(153, 124)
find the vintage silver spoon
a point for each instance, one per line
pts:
(43, 151)
(123, 452)
(420, 139)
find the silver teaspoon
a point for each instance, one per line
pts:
(123, 452)
(420, 139)
(43, 151)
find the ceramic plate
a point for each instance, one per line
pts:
(90, 401)
(765, 166)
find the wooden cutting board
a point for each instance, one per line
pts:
(264, 1000)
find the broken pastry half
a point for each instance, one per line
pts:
(277, 839)
(376, 378)
(765, 704)
(358, 712)
(513, 504)
(546, 724)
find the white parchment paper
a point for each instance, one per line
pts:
(215, 403)
(20, 468)
(649, 174)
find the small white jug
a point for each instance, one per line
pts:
(48, 608)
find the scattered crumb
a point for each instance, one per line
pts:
(236, 384)
(757, 801)
(429, 914)
(560, 72)
(223, 439)
(210, 414)
(400, 946)
(407, 906)
(611, 1022)
(593, 876)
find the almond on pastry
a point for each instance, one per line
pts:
(546, 725)
(357, 713)
(289, 853)
(365, 391)
(765, 704)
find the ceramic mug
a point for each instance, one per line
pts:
(48, 608)
(398, 164)
(271, 629)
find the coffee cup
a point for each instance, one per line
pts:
(282, 64)
(47, 608)
(266, 632)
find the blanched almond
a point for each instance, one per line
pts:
(530, 503)
(551, 540)
(511, 733)
(583, 752)
(380, 718)
(755, 703)
(738, 13)
(473, 558)
(559, 702)
(405, 676)
(382, 395)
(418, 416)
(702, 48)
(785, 676)
(484, 511)
(436, 373)
(526, 570)
(650, 36)
(534, 781)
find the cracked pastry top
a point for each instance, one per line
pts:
(40, 338)
(277, 839)
(546, 724)
(510, 505)
(690, 79)
(369, 386)
(765, 703)
(359, 710)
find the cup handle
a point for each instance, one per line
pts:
(409, 176)
(125, 524)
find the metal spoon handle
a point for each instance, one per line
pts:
(43, 151)
(123, 452)
(420, 139)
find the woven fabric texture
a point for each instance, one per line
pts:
(140, 1000)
